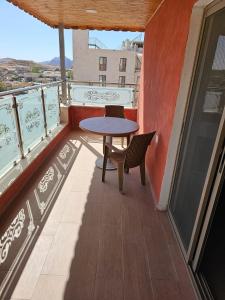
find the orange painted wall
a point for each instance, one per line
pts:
(78, 113)
(165, 41)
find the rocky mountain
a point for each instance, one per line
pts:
(56, 62)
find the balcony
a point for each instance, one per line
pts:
(69, 236)
(63, 233)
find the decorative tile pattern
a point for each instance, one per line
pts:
(47, 187)
(43, 184)
(13, 232)
(66, 155)
(64, 151)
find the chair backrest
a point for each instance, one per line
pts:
(116, 111)
(136, 150)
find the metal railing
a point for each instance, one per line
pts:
(27, 116)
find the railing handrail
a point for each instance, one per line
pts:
(33, 87)
(42, 85)
(98, 82)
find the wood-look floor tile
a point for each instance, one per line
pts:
(61, 253)
(166, 225)
(131, 223)
(112, 212)
(51, 288)
(83, 267)
(74, 208)
(160, 262)
(166, 289)
(109, 277)
(183, 279)
(79, 209)
(29, 277)
(137, 282)
(80, 180)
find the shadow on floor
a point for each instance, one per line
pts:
(125, 249)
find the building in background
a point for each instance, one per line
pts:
(93, 62)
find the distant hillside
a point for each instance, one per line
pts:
(11, 62)
(56, 62)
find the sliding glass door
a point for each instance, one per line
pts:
(203, 118)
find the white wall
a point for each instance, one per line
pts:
(86, 61)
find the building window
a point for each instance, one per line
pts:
(123, 65)
(122, 81)
(138, 80)
(138, 65)
(102, 80)
(102, 63)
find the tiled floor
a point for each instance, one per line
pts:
(97, 243)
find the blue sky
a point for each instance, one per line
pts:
(24, 37)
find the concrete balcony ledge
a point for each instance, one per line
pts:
(12, 182)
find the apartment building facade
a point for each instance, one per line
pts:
(94, 64)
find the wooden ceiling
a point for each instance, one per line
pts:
(126, 15)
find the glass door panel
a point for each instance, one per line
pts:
(211, 259)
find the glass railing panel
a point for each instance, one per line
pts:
(31, 118)
(51, 107)
(9, 145)
(101, 96)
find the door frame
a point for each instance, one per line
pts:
(209, 197)
(201, 10)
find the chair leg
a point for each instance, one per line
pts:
(142, 171)
(128, 140)
(106, 150)
(126, 169)
(104, 140)
(120, 175)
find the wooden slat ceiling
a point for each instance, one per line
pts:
(126, 15)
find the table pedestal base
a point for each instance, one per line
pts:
(109, 166)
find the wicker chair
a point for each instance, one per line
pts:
(131, 157)
(116, 111)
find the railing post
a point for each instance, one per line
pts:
(69, 89)
(59, 105)
(18, 128)
(62, 63)
(44, 112)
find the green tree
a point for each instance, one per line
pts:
(69, 74)
(2, 86)
(36, 69)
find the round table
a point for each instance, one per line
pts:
(109, 127)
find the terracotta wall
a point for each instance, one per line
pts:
(78, 113)
(165, 42)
